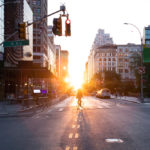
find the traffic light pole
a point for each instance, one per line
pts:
(62, 8)
(43, 18)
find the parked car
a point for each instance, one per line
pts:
(103, 93)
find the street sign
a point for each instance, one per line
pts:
(141, 70)
(15, 43)
(146, 55)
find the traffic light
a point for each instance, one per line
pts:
(57, 26)
(67, 27)
(22, 30)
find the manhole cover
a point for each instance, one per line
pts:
(114, 140)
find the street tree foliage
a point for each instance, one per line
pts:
(135, 60)
(110, 80)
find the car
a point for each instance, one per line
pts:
(103, 93)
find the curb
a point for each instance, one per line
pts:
(128, 100)
(20, 113)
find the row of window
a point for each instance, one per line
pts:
(36, 10)
(121, 50)
(36, 2)
(37, 49)
(109, 59)
(121, 71)
(36, 57)
(106, 54)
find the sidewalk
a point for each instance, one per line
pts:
(19, 109)
(131, 99)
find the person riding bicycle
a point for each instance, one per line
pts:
(79, 97)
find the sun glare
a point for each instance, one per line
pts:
(76, 79)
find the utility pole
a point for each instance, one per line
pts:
(141, 63)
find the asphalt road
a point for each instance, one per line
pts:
(99, 125)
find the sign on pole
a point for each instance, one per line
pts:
(141, 70)
(15, 43)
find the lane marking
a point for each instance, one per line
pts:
(114, 140)
(76, 135)
(75, 148)
(67, 148)
(78, 126)
(73, 126)
(70, 135)
(61, 109)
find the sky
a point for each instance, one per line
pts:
(87, 16)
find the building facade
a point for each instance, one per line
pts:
(113, 57)
(124, 58)
(13, 55)
(102, 39)
(40, 36)
(1, 49)
(64, 54)
(58, 51)
(1, 29)
(16, 59)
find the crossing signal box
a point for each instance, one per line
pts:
(68, 27)
(22, 30)
(57, 26)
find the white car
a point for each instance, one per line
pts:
(103, 93)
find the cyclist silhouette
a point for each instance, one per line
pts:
(79, 97)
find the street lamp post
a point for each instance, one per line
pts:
(141, 63)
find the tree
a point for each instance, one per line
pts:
(112, 80)
(135, 60)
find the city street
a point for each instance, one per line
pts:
(99, 125)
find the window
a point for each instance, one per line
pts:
(100, 59)
(114, 59)
(120, 50)
(38, 49)
(126, 50)
(109, 59)
(126, 70)
(34, 41)
(120, 70)
(38, 41)
(120, 59)
(104, 59)
(36, 57)
(38, 3)
(34, 49)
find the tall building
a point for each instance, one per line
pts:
(147, 35)
(102, 39)
(146, 58)
(124, 58)
(64, 54)
(19, 11)
(16, 75)
(50, 34)
(1, 29)
(1, 49)
(113, 57)
(58, 51)
(40, 47)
